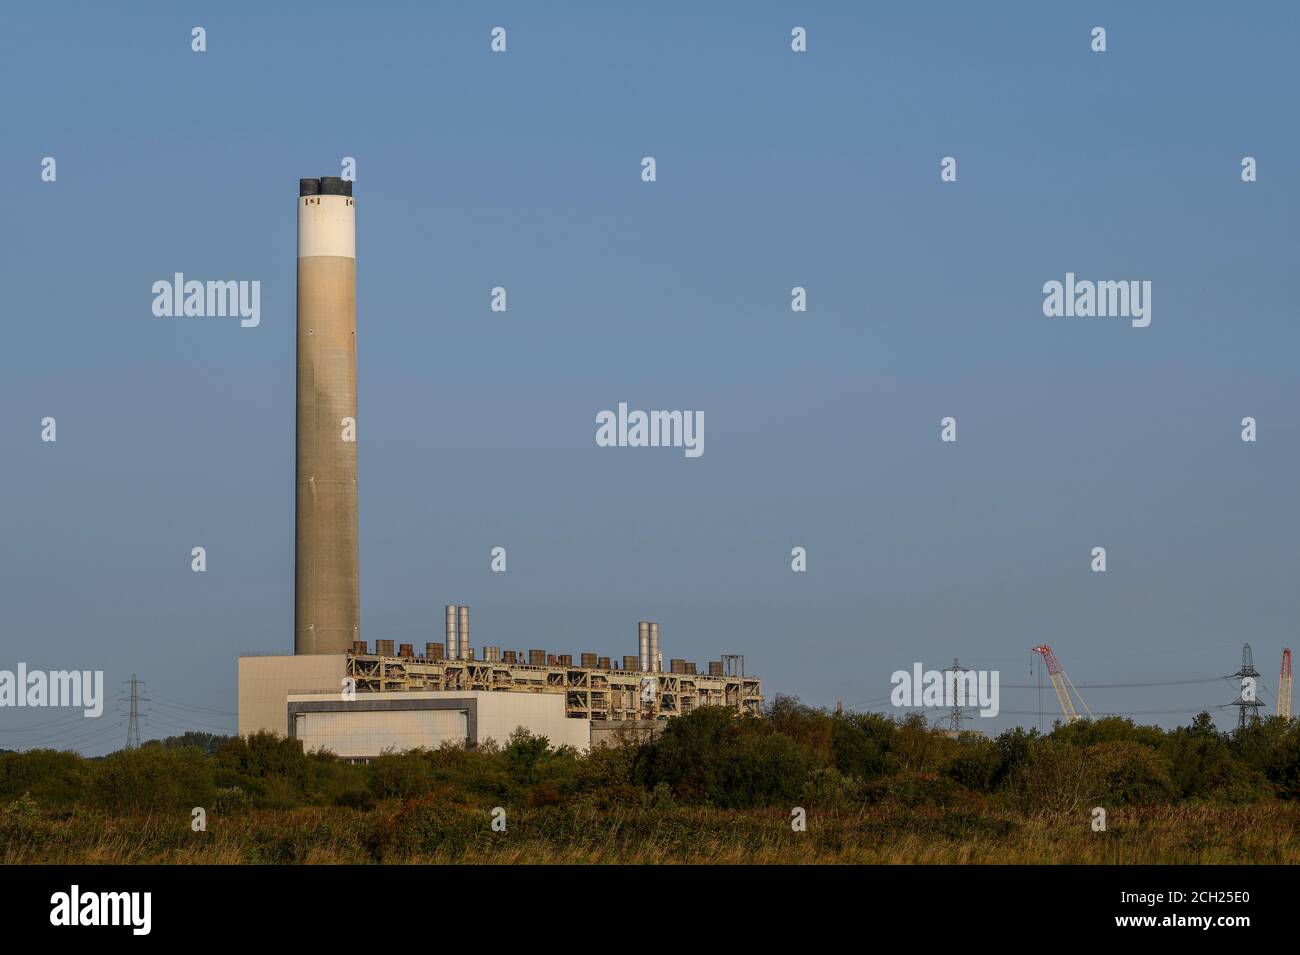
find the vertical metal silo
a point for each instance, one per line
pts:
(453, 638)
(643, 645)
(462, 629)
(656, 652)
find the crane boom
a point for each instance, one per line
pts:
(1062, 684)
(1284, 686)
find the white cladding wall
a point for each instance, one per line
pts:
(365, 734)
(542, 714)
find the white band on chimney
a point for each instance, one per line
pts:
(327, 225)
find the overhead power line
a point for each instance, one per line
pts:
(1121, 686)
(191, 706)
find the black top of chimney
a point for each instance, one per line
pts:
(334, 186)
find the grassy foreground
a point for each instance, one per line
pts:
(421, 831)
(711, 789)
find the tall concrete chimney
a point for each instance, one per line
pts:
(327, 591)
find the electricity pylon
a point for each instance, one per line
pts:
(133, 722)
(956, 714)
(1248, 700)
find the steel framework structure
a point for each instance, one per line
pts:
(589, 692)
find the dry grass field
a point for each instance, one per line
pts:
(427, 831)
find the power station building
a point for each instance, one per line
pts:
(359, 703)
(334, 693)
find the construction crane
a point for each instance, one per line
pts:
(1062, 684)
(1284, 686)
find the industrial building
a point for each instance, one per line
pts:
(334, 693)
(381, 699)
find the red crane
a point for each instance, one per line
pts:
(1284, 686)
(1062, 684)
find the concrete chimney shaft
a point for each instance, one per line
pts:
(327, 592)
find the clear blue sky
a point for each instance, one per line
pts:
(822, 429)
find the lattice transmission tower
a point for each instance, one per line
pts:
(1247, 701)
(956, 714)
(133, 721)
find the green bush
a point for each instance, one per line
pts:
(1130, 773)
(860, 743)
(1054, 777)
(1110, 729)
(1201, 762)
(150, 779)
(608, 768)
(797, 755)
(826, 788)
(977, 764)
(53, 778)
(710, 756)
(264, 756)
(917, 748)
(915, 789)
(811, 728)
(360, 799)
(207, 743)
(22, 824)
(400, 775)
(433, 823)
(230, 799)
(1282, 767)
